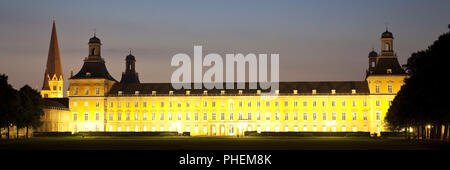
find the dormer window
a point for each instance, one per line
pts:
(240, 92)
(170, 92)
(389, 71)
(88, 74)
(333, 91)
(136, 92)
(258, 92)
(188, 92)
(295, 91)
(222, 92)
(353, 91)
(153, 92)
(314, 91)
(205, 92)
(119, 93)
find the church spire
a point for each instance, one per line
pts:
(53, 70)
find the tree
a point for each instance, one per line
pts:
(9, 103)
(32, 111)
(422, 101)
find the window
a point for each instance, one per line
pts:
(267, 104)
(354, 115)
(222, 116)
(286, 116)
(161, 104)
(240, 116)
(267, 115)
(128, 104)
(231, 116)
(196, 116)
(389, 88)
(75, 91)
(97, 115)
(390, 102)
(364, 103)
(119, 116)
(305, 116)
(295, 116)
(277, 116)
(314, 103)
(119, 105)
(333, 116)
(258, 116)
(136, 104)
(188, 104)
(314, 116)
(179, 116)
(161, 116)
(86, 115)
(136, 115)
(240, 103)
(324, 116)
(377, 103)
(305, 103)
(75, 116)
(110, 117)
(170, 104)
(286, 103)
(354, 103)
(295, 103)
(277, 104)
(86, 92)
(249, 104)
(344, 116)
(333, 103)
(324, 103)
(144, 104)
(213, 104)
(213, 116)
(377, 88)
(365, 116)
(144, 116)
(343, 103)
(127, 116)
(249, 116)
(378, 116)
(86, 104)
(153, 116)
(205, 116)
(258, 104)
(188, 116)
(97, 104)
(97, 91)
(205, 104)
(111, 104)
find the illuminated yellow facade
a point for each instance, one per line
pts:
(97, 102)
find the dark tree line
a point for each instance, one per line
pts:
(21, 108)
(421, 107)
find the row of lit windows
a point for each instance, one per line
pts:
(231, 129)
(214, 116)
(86, 91)
(231, 105)
(241, 104)
(389, 88)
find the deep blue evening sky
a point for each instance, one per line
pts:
(317, 40)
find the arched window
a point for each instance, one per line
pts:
(93, 51)
(387, 47)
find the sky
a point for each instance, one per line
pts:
(317, 40)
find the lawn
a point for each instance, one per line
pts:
(220, 143)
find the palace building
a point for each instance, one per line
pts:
(96, 101)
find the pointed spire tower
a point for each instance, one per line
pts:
(53, 77)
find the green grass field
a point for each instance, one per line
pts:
(219, 143)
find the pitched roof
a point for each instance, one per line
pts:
(53, 60)
(341, 87)
(56, 103)
(384, 64)
(93, 69)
